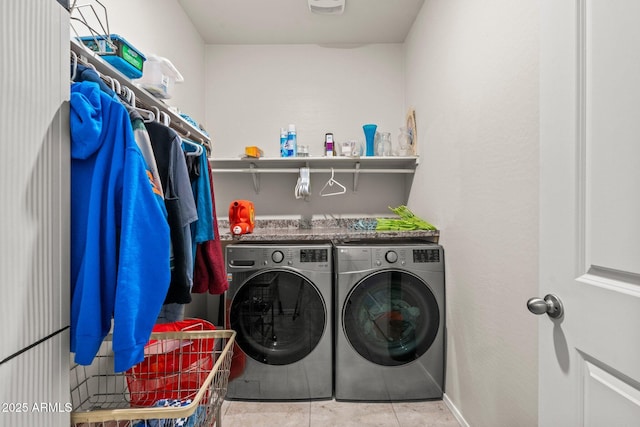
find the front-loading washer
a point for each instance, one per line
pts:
(279, 302)
(390, 321)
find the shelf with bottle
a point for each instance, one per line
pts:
(370, 164)
(321, 164)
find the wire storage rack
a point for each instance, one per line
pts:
(181, 382)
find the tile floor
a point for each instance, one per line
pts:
(329, 413)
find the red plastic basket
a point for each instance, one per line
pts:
(172, 368)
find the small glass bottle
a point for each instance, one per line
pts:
(404, 142)
(386, 144)
(383, 147)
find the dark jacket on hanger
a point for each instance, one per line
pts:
(181, 207)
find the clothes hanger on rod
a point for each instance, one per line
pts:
(130, 97)
(164, 118)
(74, 68)
(185, 134)
(341, 189)
(115, 84)
(198, 148)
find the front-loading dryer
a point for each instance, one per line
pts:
(279, 304)
(390, 321)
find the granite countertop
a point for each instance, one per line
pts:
(337, 230)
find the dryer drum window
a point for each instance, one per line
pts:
(279, 317)
(391, 317)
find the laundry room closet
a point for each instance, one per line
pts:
(467, 69)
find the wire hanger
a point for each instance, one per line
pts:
(341, 189)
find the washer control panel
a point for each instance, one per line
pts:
(309, 257)
(396, 256)
(426, 255)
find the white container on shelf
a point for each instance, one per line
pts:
(158, 76)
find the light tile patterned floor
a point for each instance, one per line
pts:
(329, 413)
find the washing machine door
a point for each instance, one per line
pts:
(391, 317)
(279, 316)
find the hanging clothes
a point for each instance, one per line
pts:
(144, 143)
(197, 165)
(119, 234)
(210, 272)
(180, 204)
(87, 74)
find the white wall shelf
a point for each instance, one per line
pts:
(281, 165)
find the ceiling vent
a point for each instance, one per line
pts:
(326, 7)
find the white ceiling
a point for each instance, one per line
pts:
(291, 22)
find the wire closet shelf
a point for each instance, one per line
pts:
(136, 96)
(92, 15)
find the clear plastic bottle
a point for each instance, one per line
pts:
(283, 142)
(292, 142)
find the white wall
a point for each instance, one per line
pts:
(472, 75)
(254, 90)
(470, 70)
(161, 28)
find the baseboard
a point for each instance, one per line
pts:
(456, 413)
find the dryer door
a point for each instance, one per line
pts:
(391, 317)
(279, 316)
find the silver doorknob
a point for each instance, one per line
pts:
(551, 305)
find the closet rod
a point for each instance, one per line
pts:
(142, 98)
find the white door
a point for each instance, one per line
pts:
(590, 212)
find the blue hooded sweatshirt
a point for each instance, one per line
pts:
(120, 245)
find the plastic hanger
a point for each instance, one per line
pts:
(199, 150)
(164, 118)
(74, 68)
(115, 86)
(329, 185)
(130, 97)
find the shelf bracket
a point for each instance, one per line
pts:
(256, 177)
(356, 174)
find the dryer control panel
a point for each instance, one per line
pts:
(424, 257)
(314, 255)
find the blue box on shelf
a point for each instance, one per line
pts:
(118, 52)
